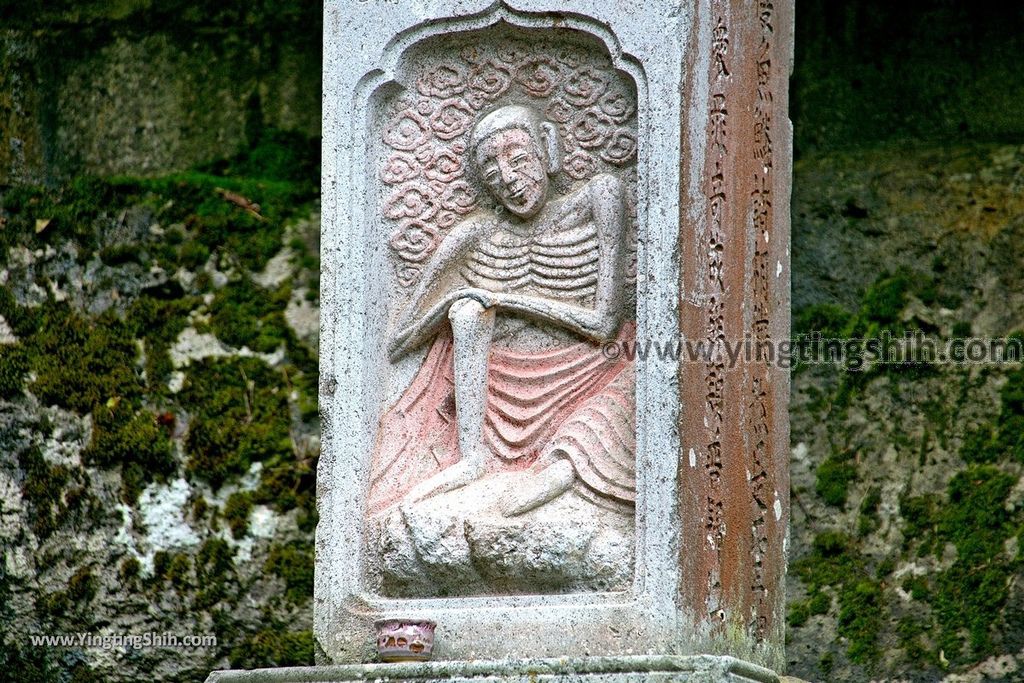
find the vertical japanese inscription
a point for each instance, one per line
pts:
(714, 318)
(758, 411)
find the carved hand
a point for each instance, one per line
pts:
(414, 331)
(458, 475)
(587, 322)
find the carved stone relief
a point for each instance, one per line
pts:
(506, 167)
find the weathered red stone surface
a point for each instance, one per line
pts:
(734, 289)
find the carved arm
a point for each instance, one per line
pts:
(437, 290)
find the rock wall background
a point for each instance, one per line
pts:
(158, 279)
(144, 87)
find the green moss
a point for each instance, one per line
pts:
(120, 254)
(82, 586)
(178, 572)
(1010, 439)
(199, 509)
(214, 560)
(130, 570)
(193, 255)
(275, 154)
(918, 515)
(251, 237)
(286, 484)
(23, 320)
(966, 597)
(14, 366)
(274, 648)
(80, 590)
(133, 481)
(241, 415)
(174, 568)
(827, 663)
(161, 561)
(819, 603)
(836, 562)
(293, 563)
(122, 436)
(245, 314)
(32, 664)
(961, 330)
(911, 632)
(71, 209)
(860, 618)
(833, 478)
(52, 605)
(829, 320)
(82, 363)
(917, 587)
(86, 509)
(975, 588)
(1003, 438)
(158, 322)
(42, 488)
(868, 521)
(214, 567)
(798, 614)
(236, 512)
(885, 300)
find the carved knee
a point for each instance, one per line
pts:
(465, 309)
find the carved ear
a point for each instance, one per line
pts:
(551, 147)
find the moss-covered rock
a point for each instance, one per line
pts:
(103, 277)
(240, 416)
(907, 515)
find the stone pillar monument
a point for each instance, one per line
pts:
(555, 289)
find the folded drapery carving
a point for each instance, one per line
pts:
(569, 402)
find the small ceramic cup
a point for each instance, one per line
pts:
(405, 640)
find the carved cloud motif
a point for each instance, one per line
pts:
(426, 131)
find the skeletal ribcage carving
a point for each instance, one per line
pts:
(556, 264)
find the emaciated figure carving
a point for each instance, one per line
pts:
(518, 305)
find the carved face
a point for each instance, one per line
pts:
(514, 171)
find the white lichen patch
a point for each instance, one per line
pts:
(6, 333)
(162, 509)
(262, 522)
(303, 317)
(12, 508)
(176, 382)
(998, 668)
(277, 270)
(70, 435)
(191, 345)
(126, 538)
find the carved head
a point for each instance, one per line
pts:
(513, 151)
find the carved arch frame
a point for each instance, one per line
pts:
(645, 41)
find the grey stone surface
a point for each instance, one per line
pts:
(728, 597)
(364, 54)
(457, 543)
(96, 95)
(626, 669)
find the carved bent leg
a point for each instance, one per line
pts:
(545, 485)
(472, 331)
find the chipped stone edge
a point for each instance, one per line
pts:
(698, 668)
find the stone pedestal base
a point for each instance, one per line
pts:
(675, 669)
(459, 543)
